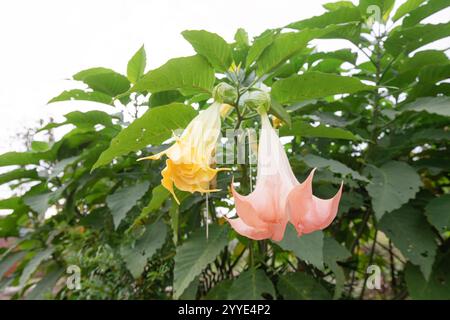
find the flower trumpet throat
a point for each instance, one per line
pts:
(190, 160)
(278, 197)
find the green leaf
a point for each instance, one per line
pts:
(282, 48)
(436, 288)
(45, 286)
(165, 97)
(39, 146)
(195, 254)
(393, 184)
(18, 174)
(278, 111)
(313, 85)
(190, 75)
(159, 195)
(301, 286)
(104, 80)
(338, 16)
(22, 158)
(332, 253)
(409, 39)
(250, 285)
(61, 165)
(9, 261)
(304, 129)
(308, 247)
(144, 248)
(39, 203)
(241, 37)
(136, 65)
(220, 291)
(78, 94)
(33, 264)
(11, 203)
(124, 199)
(384, 6)
(211, 46)
(314, 161)
(191, 291)
(412, 235)
(331, 6)
(406, 8)
(436, 105)
(259, 45)
(154, 127)
(422, 12)
(438, 212)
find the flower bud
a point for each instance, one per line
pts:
(258, 100)
(224, 93)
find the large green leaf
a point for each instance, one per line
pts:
(159, 195)
(438, 212)
(260, 43)
(23, 158)
(313, 85)
(278, 111)
(410, 232)
(301, 286)
(436, 105)
(332, 253)
(284, 46)
(250, 285)
(136, 65)
(104, 80)
(195, 254)
(435, 288)
(331, 6)
(124, 199)
(33, 264)
(39, 203)
(154, 127)
(190, 75)
(393, 184)
(308, 247)
(220, 291)
(412, 38)
(314, 161)
(422, 12)
(211, 46)
(304, 129)
(78, 94)
(341, 15)
(384, 7)
(18, 174)
(144, 248)
(406, 8)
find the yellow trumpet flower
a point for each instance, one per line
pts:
(190, 158)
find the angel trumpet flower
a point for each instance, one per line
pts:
(189, 159)
(278, 197)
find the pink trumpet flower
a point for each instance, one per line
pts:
(278, 197)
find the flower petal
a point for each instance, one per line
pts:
(247, 231)
(308, 213)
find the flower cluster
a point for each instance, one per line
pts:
(278, 197)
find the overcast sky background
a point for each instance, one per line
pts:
(43, 43)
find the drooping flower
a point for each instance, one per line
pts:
(278, 197)
(189, 164)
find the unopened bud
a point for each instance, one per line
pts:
(224, 93)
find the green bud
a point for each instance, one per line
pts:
(224, 93)
(258, 100)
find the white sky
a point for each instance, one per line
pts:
(42, 43)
